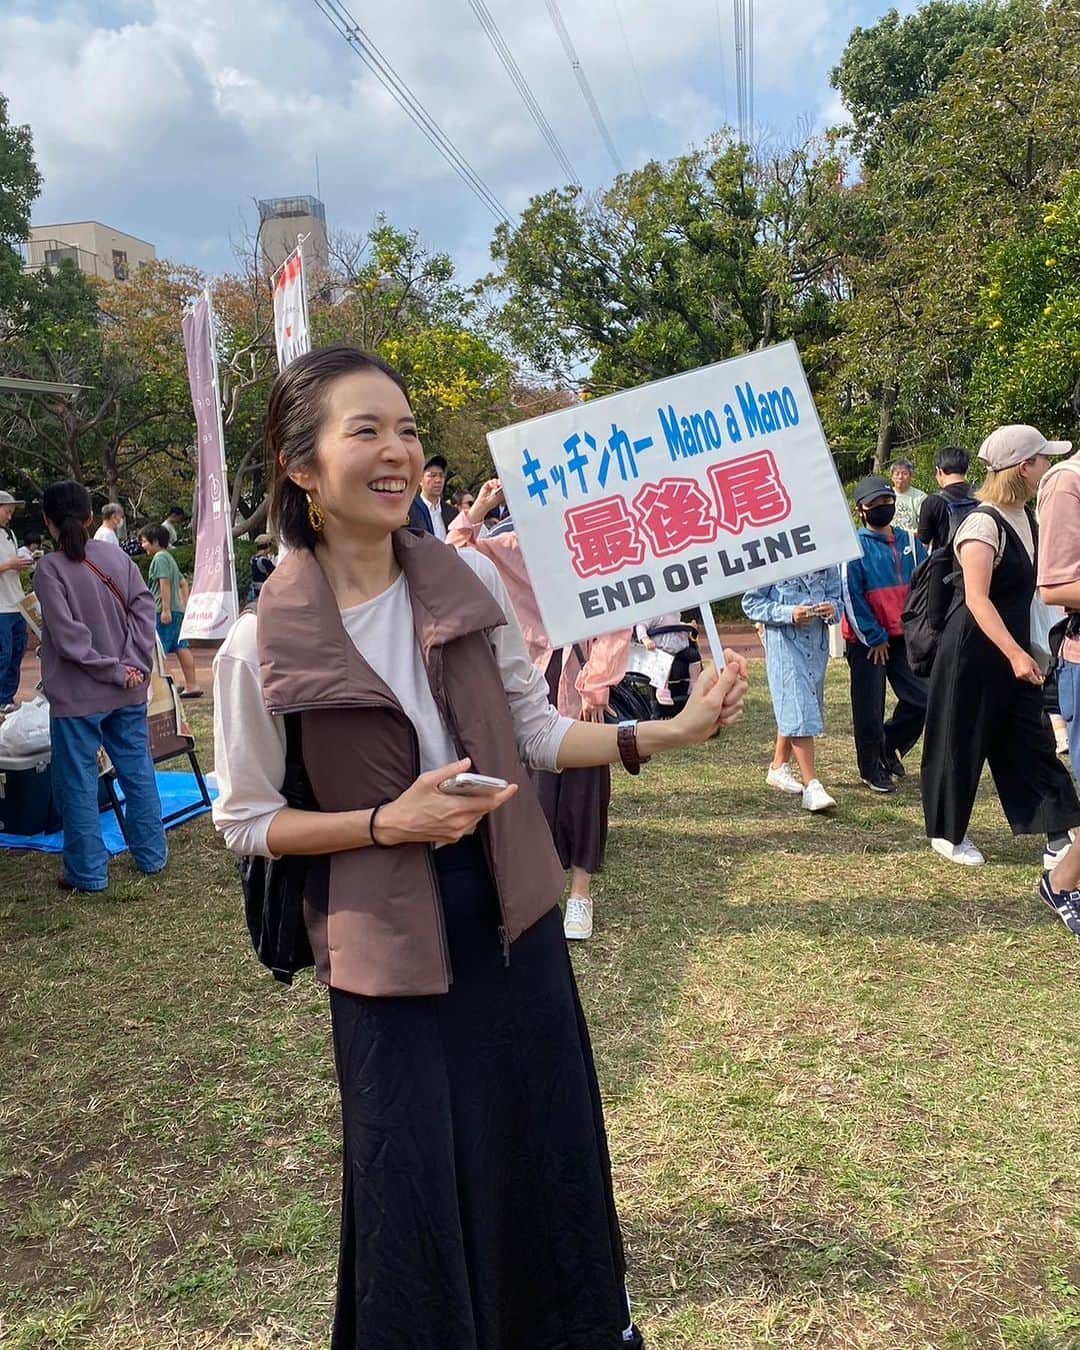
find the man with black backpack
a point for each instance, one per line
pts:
(943, 510)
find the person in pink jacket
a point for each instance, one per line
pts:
(575, 801)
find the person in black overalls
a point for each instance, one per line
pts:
(985, 703)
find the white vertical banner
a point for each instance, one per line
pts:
(291, 330)
(212, 606)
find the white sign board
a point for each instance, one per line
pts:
(674, 494)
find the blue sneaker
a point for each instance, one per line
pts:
(1065, 904)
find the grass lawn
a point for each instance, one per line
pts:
(842, 1077)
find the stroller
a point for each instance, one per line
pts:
(679, 679)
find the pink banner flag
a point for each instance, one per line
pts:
(212, 606)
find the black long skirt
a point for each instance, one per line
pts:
(477, 1210)
(575, 802)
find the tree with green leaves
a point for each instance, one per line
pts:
(676, 265)
(960, 172)
(20, 184)
(904, 60)
(1029, 366)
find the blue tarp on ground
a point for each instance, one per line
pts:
(176, 791)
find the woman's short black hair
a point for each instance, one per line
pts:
(156, 534)
(293, 419)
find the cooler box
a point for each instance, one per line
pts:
(26, 797)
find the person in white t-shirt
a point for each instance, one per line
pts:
(112, 522)
(909, 499)
(12, 623)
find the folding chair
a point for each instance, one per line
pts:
(170, 738)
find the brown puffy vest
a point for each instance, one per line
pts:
(373, 914)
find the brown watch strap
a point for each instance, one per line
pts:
(628, 747)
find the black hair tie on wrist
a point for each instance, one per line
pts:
(371, 824)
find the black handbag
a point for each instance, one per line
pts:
(633, 699)
(274, 887)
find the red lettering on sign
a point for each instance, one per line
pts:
(602, 537)
(675, 513)
(749, 491)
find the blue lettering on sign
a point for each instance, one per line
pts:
(773, 410)
(686, 436)
(689, 435)
(624, 451)
(538, 483)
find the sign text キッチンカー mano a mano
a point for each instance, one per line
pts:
(674, 494)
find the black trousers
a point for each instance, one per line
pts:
(877, 740)
(980, 713)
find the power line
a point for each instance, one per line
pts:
(743, 11)
(750, 68)
(721, 68)
(633, 65)
(396, 87)
(506, 56)
(583, 82)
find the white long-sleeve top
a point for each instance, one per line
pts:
(249, 744)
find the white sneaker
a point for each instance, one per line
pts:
(577, 924)
(1052, 857)
(964, 852)
(784, 779)
(815, 798)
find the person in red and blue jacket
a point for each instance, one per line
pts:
(875, 590)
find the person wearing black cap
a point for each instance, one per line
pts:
(429, 512)
(875, 588)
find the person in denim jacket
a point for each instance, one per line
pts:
(795, 615)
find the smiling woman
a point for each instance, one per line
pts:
(477, 1207)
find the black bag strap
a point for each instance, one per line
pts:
(296, 788)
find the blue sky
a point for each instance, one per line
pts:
(166, 118)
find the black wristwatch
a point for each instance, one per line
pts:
(628, 748)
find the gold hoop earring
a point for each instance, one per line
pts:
(316, 516)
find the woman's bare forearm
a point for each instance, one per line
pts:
(295, 833)
(588, 744)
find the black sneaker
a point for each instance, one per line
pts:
(895, 765)
(879, 782)
(1065, 904)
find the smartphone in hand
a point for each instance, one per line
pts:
(472, 785)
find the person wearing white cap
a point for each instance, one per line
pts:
(12, 623)
(985, 702)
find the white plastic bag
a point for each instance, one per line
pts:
(26, 730)
(1043, 618)
(655, 665)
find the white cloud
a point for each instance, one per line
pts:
(166, 117)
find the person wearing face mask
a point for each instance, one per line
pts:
(875, 590)
(986, 687)
(477, 1210)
